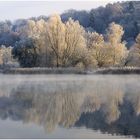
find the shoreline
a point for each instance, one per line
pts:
(37, 70)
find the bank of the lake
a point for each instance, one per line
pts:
(71, 70)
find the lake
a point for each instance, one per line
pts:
(69, 106)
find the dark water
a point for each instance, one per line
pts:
(69, 106)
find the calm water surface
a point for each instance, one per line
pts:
(69, 106)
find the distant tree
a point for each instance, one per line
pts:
(113, 12)
(82, 16)
(131, 7)
(97, 19)
(7, 36)
(136, 29)
(5, 27)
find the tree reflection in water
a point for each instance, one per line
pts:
(112, 107)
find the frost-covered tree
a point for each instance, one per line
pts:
(56, 37)
(117, 47)
(35, 31)
(75, 47)
(98, 51)
(5, 55)
(66, 40)
(133, 58)
(58, 44)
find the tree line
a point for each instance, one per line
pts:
(124, 13)
(54, 43)
(98, 38)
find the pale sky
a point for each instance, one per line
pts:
(24, 9)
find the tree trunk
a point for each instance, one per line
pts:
(57, 65)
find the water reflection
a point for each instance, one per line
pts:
(107, 104)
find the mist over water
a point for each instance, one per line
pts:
(92, 106)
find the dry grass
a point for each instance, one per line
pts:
(43, 71)
(71, 70)
(116, 70)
